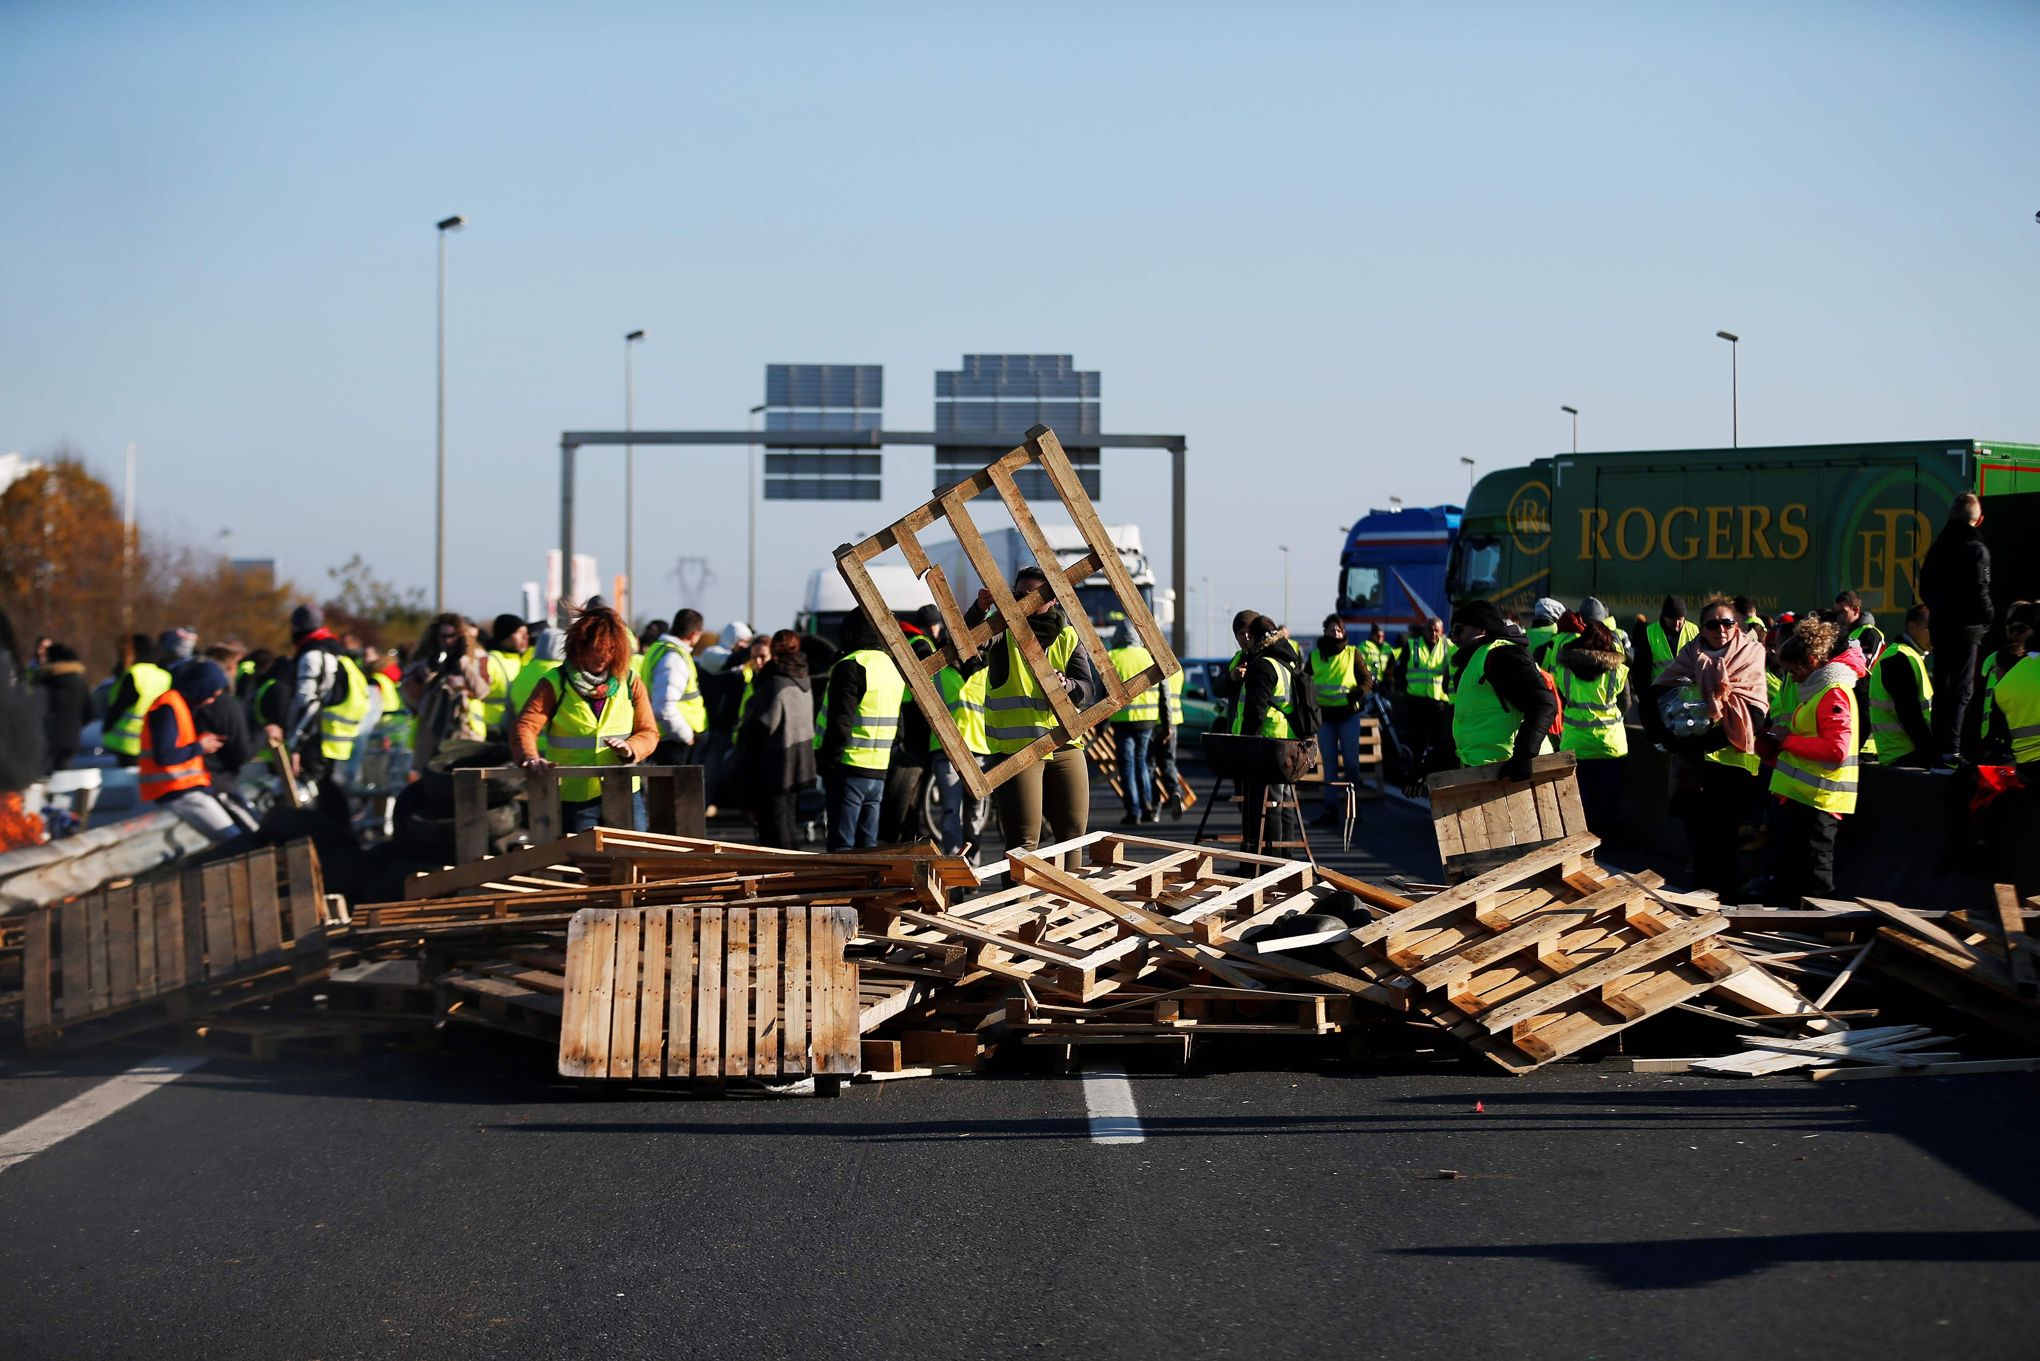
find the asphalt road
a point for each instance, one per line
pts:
(471, 1204)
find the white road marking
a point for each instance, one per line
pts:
(1109, 1098)
(90, 1107)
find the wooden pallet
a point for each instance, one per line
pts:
(675, 801)
(1483, 821)
(710, 994)
(198, 941)
(962, 642)
(1545, 955)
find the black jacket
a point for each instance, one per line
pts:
(775, 743)
(1517, 683)
(1955, 579)
(65, 698)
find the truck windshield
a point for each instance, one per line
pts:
(1476, 566)
(1360, 588)
(1103, 606)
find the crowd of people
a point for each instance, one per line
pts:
(1767, 720)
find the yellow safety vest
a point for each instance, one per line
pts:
(151, 681)
(965, 698)
(870, 744)
(340, 724)
(693, 707)
(576, 737)
(1594, 730)
(1274, 722)
(1536, 637)
(1885, 729)
(1334, 676)
(1832, 789)
(1993, 672)
(1663, 649)
(1424, 668)
(1017, 712)
(2017, 697)
(1483, 726)
(503, 669)
(1173, 688)
(1145, 707)
(1378, 657)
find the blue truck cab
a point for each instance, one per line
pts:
(1393, 570)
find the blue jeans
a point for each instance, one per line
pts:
(1135, 779)
(855, 800)
(1336, 741)
(587, 816)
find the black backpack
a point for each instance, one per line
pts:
(1305, 717)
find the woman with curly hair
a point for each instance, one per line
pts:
(1815, 778)
(593, 711)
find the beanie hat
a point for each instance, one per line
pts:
(1546, 611)
(305, 618)
(1674, 607)
(505, 625)
(177, 645)
(1482, 615)
(1592, 610)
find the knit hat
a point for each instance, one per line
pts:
(305, 618)
(1546, 611)
(198, 681)
(1674, 607)
(1592, 610)
(177, 645)
(503, 627)
(1482, 615)
(1122, 634)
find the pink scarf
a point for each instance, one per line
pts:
(1731, 683)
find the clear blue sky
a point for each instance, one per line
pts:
(1338, 246)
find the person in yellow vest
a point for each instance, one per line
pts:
(2020, 621)
(175, 745)
(1226, 685)
(1716, 769)
(1378, 653)
(329, 704)
(1593, 696)
(2014, 722)
(1422, 665)
(1273, 672)
(965, 698)
(854, 747)
(1342, 678)
(1168, 732)
(674, 679)
(592, 711)
(1901, 697)
(121, 729)
(1133, 728)
(1501, 709)
(507, 641)
(1018, 715)
(1814, 780)
(776, 740)
(548, 651)
(1666, 638)
(1545, 615)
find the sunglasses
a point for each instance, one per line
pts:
(1718, 624)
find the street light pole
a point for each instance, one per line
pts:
(1574, 412)
(1734, 388)
(629, 601)
(1285, 583)
(1204, 588)
(1469, 472)
(751, 525)
(448, 224)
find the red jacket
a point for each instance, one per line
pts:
(1835, 738)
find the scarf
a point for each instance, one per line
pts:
(1046, 626)
(1731, 683)
(591, 688)
(1824, 678)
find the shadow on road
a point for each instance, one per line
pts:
(1682, 1263)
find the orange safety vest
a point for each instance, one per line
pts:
(158, 780)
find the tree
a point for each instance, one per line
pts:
(379, 612)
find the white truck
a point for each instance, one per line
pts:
(828, 600)
(1010, 551)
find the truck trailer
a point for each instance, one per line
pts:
(1789, 525)
(1392, 571)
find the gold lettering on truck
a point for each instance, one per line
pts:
(1755, 521)
(1622, 534)
(1720, 522)
(1691, 544)
(1593, 533)
(1795, 540)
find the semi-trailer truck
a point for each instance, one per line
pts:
(1010, 551)
(1393, 569)
(1788, 526)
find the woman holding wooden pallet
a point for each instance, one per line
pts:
(593, 711)
(1017, 714)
